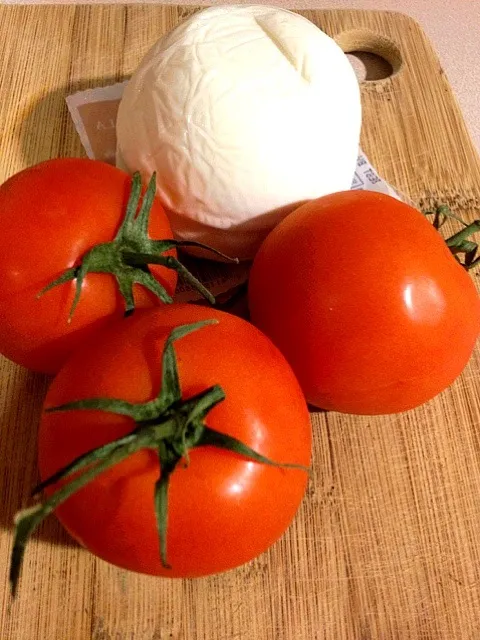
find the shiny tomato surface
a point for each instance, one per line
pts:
(51, 214)
(365, 300)
(224, 509)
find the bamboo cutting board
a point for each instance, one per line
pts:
(385, 544)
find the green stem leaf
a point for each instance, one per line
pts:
(139, 259)
(141, 222)
(213, 438)
(199, 406)
(25, 524)
(167, 466)
(112, 405)
(173, 263)
(27, 521)
(132, 206)
(458, 243)
(149, 282)
(67, 276)
(84, 461)
(171, 391)
(160, 246)
(459, 237)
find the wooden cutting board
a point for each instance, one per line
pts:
(385, 544)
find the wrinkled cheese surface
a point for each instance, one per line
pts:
(243, 112)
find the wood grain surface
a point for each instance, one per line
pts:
(385, 545)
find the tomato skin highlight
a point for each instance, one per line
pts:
(224, 509)
(51, 214)
(363, 297)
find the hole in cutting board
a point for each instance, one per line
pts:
(369, 66)
(373, 57)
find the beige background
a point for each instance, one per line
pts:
(453, 26)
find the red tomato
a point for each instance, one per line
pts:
(366, 302)
(224, 509)
(50, 216)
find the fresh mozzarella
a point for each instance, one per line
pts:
(243, 112)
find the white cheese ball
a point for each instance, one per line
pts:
(244, 112)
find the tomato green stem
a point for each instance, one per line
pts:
(167, 466)
(460, 236)
(458, 243)
(27, 521)
(141, 259)
(167, 424)
(128, 255)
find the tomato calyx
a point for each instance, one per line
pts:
(458, 243)
(128, 255)
(167, 424)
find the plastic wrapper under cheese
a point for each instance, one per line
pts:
(244, 112)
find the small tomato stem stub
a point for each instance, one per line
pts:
(459, 243)
(128, 255)
(168, 424)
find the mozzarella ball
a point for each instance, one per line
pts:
(243, 112)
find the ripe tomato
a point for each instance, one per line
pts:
(223, 508)
(366, 302)
(51, 214)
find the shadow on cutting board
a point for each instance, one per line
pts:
(21, 397)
